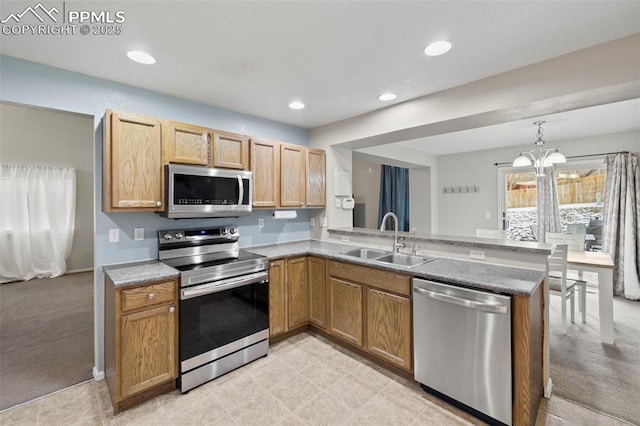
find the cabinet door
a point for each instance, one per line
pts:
(345, 310)
(230, 151)
(147, 349)
(185, 144)
(277, 299)
(389, 327)
(265, 165)
(297, 292)
(292, 175)
(315, 178)
(317, 291)
(133, 163)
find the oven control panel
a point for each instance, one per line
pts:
(222, 234)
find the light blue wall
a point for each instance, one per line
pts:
(43, 86)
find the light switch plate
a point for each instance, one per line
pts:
(260, 222)
(313, 222)
(114, 235)
(323, 222)
(138, 234)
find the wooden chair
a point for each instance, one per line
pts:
(559, 285)
(574, 242)
(497, 234)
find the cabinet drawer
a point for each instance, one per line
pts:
(373, 277)
(148, 295)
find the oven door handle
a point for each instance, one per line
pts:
(229, 283)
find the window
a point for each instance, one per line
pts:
(580, 199)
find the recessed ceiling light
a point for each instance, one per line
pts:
(296, 105)
(141, 57)
(387, 96)
(438, 48)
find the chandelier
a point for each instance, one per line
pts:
(539, 157)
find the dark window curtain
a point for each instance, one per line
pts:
(394, 195)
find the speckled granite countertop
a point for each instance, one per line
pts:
(130, 274)
(487, 243)
(477, 275)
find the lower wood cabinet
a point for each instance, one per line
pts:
(317, 291)
(345, 310)
(371, 309)
(288, 295)
(389, 327)
(141, 341)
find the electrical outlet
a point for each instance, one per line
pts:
(487, 215)
(313, 222)
(323, 222)
(114, 235)
(138, 234)
(260, 222)
(477, 254)
(338, 203)
(345, 239)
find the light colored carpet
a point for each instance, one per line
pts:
(46, 336)
(603, 377)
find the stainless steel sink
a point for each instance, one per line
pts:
(366, 253)
(404, 259)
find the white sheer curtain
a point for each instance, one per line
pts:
(547, 202)
(621, 230)
(37, 211)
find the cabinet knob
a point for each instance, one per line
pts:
(158, 203)
(151, 296)
(301, 203)
(172, 309)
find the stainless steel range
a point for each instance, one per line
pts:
(224, 301)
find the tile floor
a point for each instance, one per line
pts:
(305, 380)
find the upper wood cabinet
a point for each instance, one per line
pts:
(316, 175)
(230, 151)
(265, 166)
(292, 175)
(317, 291)
(185, 144)
(133, 178)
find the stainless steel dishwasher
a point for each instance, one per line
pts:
(462, 346)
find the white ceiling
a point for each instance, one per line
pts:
(598, 120)
(336, 57)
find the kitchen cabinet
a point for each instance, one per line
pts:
(345, 310)
(297, 292)
(373, 303)
(292, 175)
(265, 166)
(277, 298)
(389, 327)
(288, 295)
(315, 177)
(185, 143)
(230, 150)
(133, 178)
(317, 291)
(141, 341)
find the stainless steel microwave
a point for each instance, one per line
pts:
(193, 192)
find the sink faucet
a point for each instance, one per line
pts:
(396, 245)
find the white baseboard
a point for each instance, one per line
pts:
(548, 388)
(77, 271)
(98, 374)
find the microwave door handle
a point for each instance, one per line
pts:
(240, 191)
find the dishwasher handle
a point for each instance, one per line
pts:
(485, 307)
